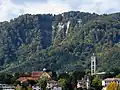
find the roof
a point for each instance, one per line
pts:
(112, 79)
(34, 76)
(24, 79)
(101, 73)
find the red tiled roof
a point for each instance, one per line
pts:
(36, 74)
(24, 79)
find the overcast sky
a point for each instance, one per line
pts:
(13, 8)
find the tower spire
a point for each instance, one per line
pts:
(93, 64)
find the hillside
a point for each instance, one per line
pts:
(61, 42)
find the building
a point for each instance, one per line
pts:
(56, 88)
(36, 88)
(93, 65)
(35, 76)
(107, 81)
(39, 75)
(6, 87)
(84, 83)
(81, 84)
(53, 85)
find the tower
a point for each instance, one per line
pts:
(87, 83)
(93, 65)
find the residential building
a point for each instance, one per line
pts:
(56, 88)
(53, 85)
(35, 76)
(35, 87)
(107, 81)
(84, 83)
(6, 87)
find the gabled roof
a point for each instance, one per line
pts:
(34, 76)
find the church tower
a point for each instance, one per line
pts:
(93, 65)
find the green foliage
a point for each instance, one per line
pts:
(77, 75)
(97, 83)
(118, 88)
(64, 76)
(6, 78)
(63, 83)
(43, 82)
(118, 76)
(32, 42)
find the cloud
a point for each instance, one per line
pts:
(101, 6)
(97, 6)
(8, 10)
(27, 1)
(49, 7)
(13, 8)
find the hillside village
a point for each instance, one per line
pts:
(59, 44)
(49, 80)
(42, 80)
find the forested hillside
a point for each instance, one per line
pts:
(61, 42)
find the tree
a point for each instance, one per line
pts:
(43, 82)
(63, 83)
(64, 76)
(97, 83)
(54, 75)
(14, 78)
(119, 87)
(67, 79)
(6, 78)
(31, 82)
(76, 75)
(112, 86)
(118, 76)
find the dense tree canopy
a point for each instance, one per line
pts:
(61, 42)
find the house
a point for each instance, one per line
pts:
(56, 88)
(35, 87)
(53, 85)
(107, 81)
(35, 76)
(39, 75)
(83, 83)
(6, 87)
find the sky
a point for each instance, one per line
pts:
(10, 9)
